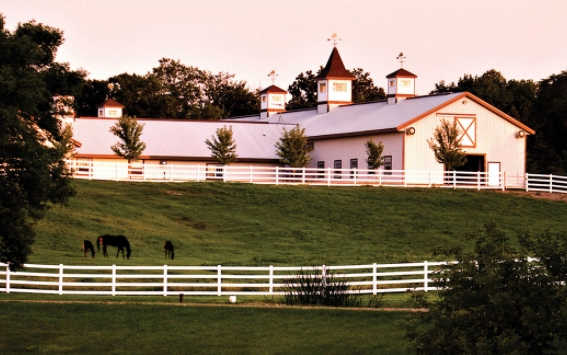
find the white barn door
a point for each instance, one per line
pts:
(493, 174)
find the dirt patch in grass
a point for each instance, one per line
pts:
(545, 195)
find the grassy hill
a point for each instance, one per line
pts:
(243, 224)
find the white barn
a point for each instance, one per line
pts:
(493, 141)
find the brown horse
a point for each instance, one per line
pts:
(119, 241)
(169, 250)
(87, 245)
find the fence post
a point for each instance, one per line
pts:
(425, 276)
(526, 181)
(380, 177)
(60, 279)
(8, 278)
(324, 276)
(251, 173)
(224, 173)
(454, 179)
(374, 280)
(303, 176)
(219, 278)
(504, 181)
(165, 280)
(114, 280)
(277, 174)
(170, 172)
(355, 173)
(550, 183)
(478, 180)
(271, 279)
(328, 176)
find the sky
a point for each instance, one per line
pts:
(440, 39)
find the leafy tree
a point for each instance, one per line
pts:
(303, 91)
(33, 174)
(129, 131)
(363, 88)
(293, 148)
(495, 300)
(223, 147)
(374, 152)
(446, 145)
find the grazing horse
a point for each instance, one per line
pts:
(169, 250)
(119, 241)
(87, 245)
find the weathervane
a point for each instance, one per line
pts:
(401, 59)
(334, 39)
(273, 76)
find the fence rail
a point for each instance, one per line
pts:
(122, 171)
(209, 280)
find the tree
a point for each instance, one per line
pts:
(374, 152)
(303, 91)
(293, 148)
(223, 147)
(33, 174)
(129, 131)
(495, 300)
(363, 88)
(446, 145)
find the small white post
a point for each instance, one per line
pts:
(454, 179)
(60, 279)
(478, 180)
(425, 276)
(7, 278)
(277, 175)
(224, 168)
(219, 278)
(324, 276)
(271, 279)
(328, 176)
(303, 176)
(198, 172)
(251, 173)
(170, 172)
(114, 280)
(374, 280)
(503, 181)
(355, 173)
(165, 280)
(550, 183)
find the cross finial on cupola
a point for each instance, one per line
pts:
(273, 75)
(335, 39)
(401, 58)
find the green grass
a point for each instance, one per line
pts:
(97, 328)
(243, 224)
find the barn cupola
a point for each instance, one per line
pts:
(110, 108)
(334, 83)
(401, 83)
(272, 99)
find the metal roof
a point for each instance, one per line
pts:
(178, 138)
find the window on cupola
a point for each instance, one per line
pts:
(339, 87)
(322, 87)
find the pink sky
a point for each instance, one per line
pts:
(441, 39)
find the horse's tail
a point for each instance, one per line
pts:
(98, 241)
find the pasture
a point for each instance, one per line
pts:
(248, 225)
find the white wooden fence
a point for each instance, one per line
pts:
(209, 280)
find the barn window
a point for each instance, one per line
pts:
(321, 169)
(353, 167)
(387, 165)
(338, 167)
(339, 87)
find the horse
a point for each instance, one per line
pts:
(119, 241)
(87, 245)
(169, 250)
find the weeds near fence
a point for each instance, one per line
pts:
(318, 287)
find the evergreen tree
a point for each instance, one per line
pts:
(129, 132)
(223, 147)
(446, 145)
(374, 151)
(293, 148)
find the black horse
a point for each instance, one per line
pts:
(119, 241)
(169, 250)
(87, 245)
